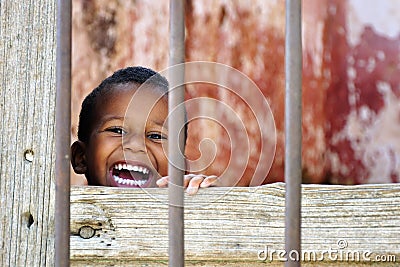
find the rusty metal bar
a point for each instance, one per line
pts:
(176, 137)
(293, 134)
(63, 133)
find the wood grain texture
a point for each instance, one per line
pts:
(225, 226)
(27, 94)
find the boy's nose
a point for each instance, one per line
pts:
(134, 142)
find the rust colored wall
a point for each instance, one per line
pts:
(350, 86)
(362, 108)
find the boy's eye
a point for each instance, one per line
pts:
(117, 130)
(156, 136)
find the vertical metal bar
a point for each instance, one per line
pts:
(63, 133)
(176, 137)
(293, 134)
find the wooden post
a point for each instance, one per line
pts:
(293, 133)
(27, 105)
(176, 140)
(63, 132)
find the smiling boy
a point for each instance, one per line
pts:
(122, 133)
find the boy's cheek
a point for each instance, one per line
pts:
(154, 182)
(163, 167)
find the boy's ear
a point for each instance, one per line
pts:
(78, 157)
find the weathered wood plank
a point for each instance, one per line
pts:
(27, 93)
(234, 225)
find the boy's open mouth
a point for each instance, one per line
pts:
(130, 175)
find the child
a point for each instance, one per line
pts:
(122, 133)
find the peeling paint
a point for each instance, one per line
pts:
(362, 134)
(375, 138)
(382, 16)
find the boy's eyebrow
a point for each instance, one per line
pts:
(160, 123)
(111, 118)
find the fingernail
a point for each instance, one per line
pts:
(191, 190)
(205, 183)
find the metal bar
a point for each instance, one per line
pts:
(63, 133)
(176, 137)
(293, 134)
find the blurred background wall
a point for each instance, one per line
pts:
(351, 74)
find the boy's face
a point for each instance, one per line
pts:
(128, 139)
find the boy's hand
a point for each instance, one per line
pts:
(192, 181)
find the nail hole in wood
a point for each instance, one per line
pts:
(86, 232)
(28, 219)
(28, 155)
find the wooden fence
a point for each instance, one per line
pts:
(224, 226)
(353, 225)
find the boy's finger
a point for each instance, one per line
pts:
(189, 177)
(194, 184)
(163, 181)
(209, 181)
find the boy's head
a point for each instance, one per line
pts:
(122, 130)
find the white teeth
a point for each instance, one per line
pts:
(128, 182)
(117, 179)
(129, 167)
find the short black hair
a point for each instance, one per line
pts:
(139, 75)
